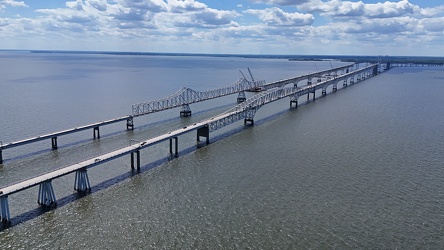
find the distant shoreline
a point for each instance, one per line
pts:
(343, 58)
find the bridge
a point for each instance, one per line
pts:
(417, 64)
(328, 73)
(245, 110)
(184, 97)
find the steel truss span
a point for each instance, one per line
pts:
(186, 96)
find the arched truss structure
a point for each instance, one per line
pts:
(186, 96)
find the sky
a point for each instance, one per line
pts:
(288, 27)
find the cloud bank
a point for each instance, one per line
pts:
(255, 26)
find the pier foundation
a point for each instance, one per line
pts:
(130, 124)
(249, 121)
(186, 110)
(241, 97)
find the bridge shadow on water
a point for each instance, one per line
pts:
(34, 213)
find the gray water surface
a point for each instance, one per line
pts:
(359, 168)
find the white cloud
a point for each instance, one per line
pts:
(182, 6)
(339, 9)
(433, 25)
(208, 18)
(170, 25)
(276, 17)
(281, 2)
(12, 3)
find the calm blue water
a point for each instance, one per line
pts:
(360, 168)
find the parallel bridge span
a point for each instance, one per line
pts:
(333, 72)
(245, 110)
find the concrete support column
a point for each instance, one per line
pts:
(96, 133)
(81, 181)
(46, 194)
(176, 146)
(54, 142)
(5, 216)
(204, 132)
(137, 160)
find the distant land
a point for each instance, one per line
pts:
(344, 58)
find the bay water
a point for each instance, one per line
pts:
(359, 168)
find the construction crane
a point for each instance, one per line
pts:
(251, 75)
(243, 75)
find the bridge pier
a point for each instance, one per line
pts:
(130, 123)
(81, 181)
(186, 111)
(204, 132)
(1, 156)
(176, 147)
(324, 91)
(54, 142)
(314, 96)
(294, 100)
(5, 215)
(241, 97)
(96, 133)
(137, 160)
(249, 115)
(46, 194)
(249, 120)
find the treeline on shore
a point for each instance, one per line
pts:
(374, 59)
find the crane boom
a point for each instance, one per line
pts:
(252, 79)
(243, 75)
